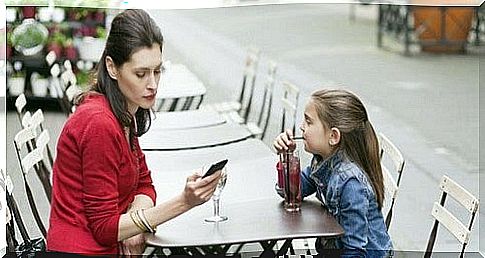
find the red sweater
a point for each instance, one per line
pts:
(96, 176)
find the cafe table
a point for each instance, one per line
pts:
(255, 212)
(193, 138)
(179, 89)
(187, 119)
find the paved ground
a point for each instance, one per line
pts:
(427, 104)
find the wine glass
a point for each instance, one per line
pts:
(216, 197)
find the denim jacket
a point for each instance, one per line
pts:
(348, 194)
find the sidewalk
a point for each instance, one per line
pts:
(430, 114)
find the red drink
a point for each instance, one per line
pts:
(293, 194)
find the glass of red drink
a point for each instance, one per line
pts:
(291, 180)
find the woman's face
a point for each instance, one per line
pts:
(138, 78)
(316, 136)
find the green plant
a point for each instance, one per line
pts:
(58, 38)
(9, 38)
(83, 78)
(101, 32)
(28, 36)
(18, 74)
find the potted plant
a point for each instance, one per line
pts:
(99, 16)
(91, 49)
(29, 37)
(83, 79)
(56, 43)
(28, 12)
(39, 84)
(101, 32)
(16, 83)
(8, 46)
(442, 28)
(70, 52)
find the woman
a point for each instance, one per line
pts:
(345, 172)
(103, 199)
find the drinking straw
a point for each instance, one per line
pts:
(287, 176)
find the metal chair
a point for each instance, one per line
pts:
(289, 104)
(70, 93)
(20, 103)
(32, 161)
(68, 81)
(13, 215)
(391, 186)
(259, 129)
(243, 105)
(27, 137)
(37, 122)
(444, 217)
(29, 246)
(26, 118)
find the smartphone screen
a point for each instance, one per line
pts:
(215, 167)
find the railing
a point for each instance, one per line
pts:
(397, 22)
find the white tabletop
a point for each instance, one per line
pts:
(249, 158)
(186, 119)
(201, 137)
(179, 82)
(254, 210)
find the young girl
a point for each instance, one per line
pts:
(345, 171)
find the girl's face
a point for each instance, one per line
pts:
(139, 77)
(316, 136)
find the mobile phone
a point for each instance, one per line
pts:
(215, 167)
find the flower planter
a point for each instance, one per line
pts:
(442, 29)
(39, 87)
(16, 85)
(28, 12)
(91, 49)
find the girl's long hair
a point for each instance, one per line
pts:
(130, 31)
(344, 110)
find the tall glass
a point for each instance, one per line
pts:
(291, 180)
(217, 196)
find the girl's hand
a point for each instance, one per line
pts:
(197, 190)
(134, 245)
(284, 142)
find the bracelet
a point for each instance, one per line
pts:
(137, 221)
(141, 215)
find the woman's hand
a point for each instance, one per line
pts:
(284, 142)
(134, 245)
(198, 190)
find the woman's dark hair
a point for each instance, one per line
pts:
(344, 110)
(130, 31)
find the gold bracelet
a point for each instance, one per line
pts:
(141, 215)
(137, 221)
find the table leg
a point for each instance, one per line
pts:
(268, 248)
(284, 248)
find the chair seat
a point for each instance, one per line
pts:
(254, 129)
(234, 116)
(228, 106)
